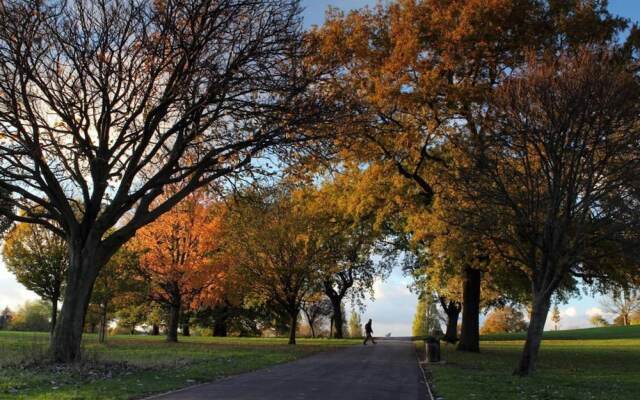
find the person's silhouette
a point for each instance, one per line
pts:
(369, 331)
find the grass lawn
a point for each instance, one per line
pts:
(599, 363)
(133, 366)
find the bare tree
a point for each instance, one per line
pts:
(562, 145)
(623, 303)
(104, 103)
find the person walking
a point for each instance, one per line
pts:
(369, 331)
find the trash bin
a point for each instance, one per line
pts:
(433, 350)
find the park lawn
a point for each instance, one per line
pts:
(134, 366)
(579, 369)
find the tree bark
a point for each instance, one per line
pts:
(174, 321)
(539, 312)
(84, 265)
(293, 327)
(220, 327)
(54, 315)
(185, 329)
(102, 334)
(470, 336)
(338, 320)
(155, 330)
(452, 309)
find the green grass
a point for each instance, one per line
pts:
(133, 366)
(613, 332)
(574, 365)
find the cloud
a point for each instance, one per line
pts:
(593, 311)
(569, 312)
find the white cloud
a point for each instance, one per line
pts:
(593, 311)
(569, 312)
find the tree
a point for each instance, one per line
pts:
(5, 318)
(349, 237)
(105, 103)
(277, 250)
(316, 309)
(355, 325)
(545, 180)
(624, 303)
(129, 317)
(176, 257)
(598, 321)
(555, 316)
(505, 320)
(39, 259)
(32, 316)
(117, 287)
(426, 322)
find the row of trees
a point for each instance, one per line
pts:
(261, 259)
(498, 141)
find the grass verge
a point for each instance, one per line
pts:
(567, 369)
(135, 366)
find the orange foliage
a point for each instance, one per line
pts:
(177, 254)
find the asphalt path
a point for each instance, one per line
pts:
(387, 370)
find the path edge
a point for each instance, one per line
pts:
(425, 373)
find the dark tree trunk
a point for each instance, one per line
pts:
(84, 266)
(452, 309)
(220, 327)
(155, 330)
(293, 327)
(54, 314)
(185, 329)
(338, 320)
(174, 321)
(539, 312)
(313, 330)
(470, 336)
(102, 334)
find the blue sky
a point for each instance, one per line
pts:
(394, 305)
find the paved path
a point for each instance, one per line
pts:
(386, 371)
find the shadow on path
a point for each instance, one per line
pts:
(386, 371)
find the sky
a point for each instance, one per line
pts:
(394, 305)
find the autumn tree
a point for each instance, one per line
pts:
(413, 72)
(277, 250)
(504, 320)
(104, 103)
(426, 320)
(39, 259)
(355, 325)
(598, 321)
(546, 178)
(351, 232)
(176, 254)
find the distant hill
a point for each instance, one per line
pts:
(612, 332)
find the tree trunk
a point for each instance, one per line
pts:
(541, 305)
(174, 320)
(470, 336)
(293, 327)
(84, 266)
(102, 334)
(54, 315)
(155, 330)
(453, 313)
(185, 329)
(220, 327)
(313, 330)
(338, 321)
